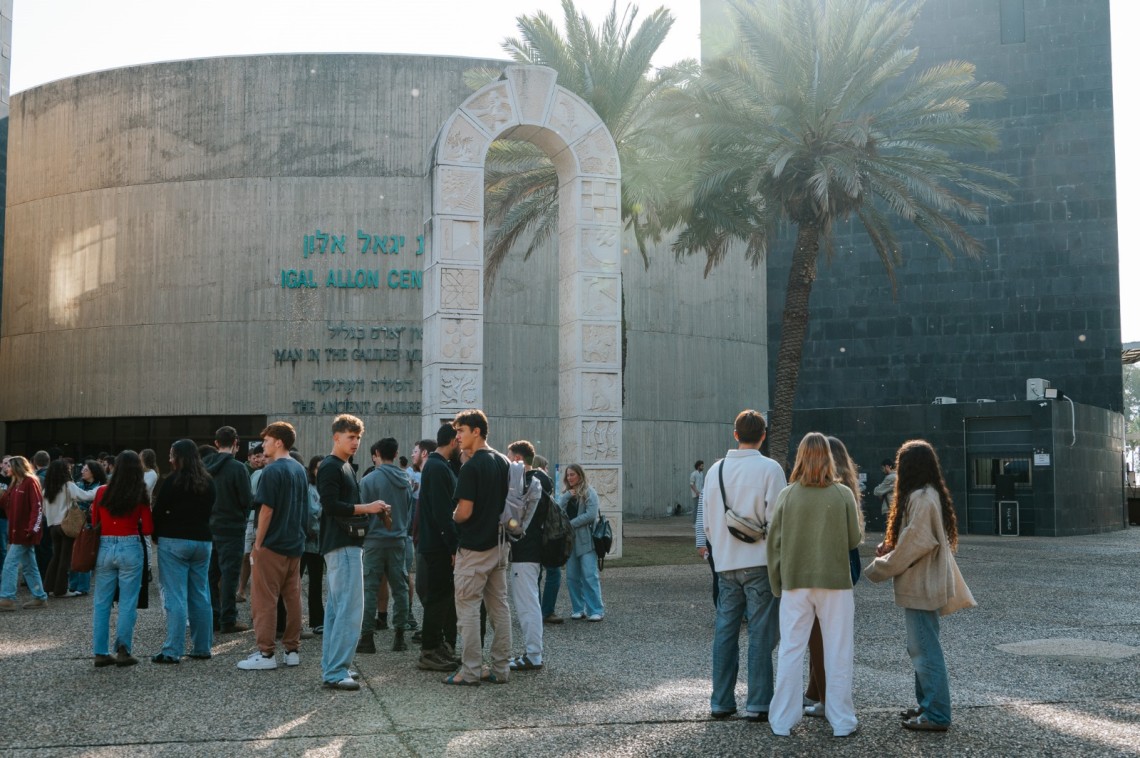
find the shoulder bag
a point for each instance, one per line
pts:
(86, 548)
(741, 527)
(73, 521)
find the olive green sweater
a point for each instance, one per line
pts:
(810, 538)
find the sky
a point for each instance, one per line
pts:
(53, 39)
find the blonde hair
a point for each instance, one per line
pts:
(21, 468)
(814, 464)
(847, 474)
(580, 490)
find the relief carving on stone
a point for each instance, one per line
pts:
(461, 241)
(605, 483)
(599, 343)
(493, 109)
(459, 289)
(459, 340)
(461, 191)
(599, 249)
(459, 387)
(601, 442)
(464, 143)
(533, 89)
(601, 393)
(600, 202)
(600, 297)
(570, 118)
(597, 155)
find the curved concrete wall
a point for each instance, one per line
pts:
(163, 221)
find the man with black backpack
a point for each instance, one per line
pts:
(526, 560)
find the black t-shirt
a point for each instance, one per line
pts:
(528, 549)
(339, 493)
(483, 481)
(284, 487)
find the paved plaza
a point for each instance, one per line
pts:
(1048, 664)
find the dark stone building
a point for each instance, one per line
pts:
(1042, 302)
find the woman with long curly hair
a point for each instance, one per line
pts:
(59, 493)
(813, 529)
(122, 511)
(91, 477)
(182, 532)
(917, 551)
(23, 501)
(580, 503)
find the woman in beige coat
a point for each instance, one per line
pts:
(917, 551)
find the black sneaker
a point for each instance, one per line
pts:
(366, 645)
(381, 621)
(123, 658)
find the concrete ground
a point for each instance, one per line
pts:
(635, 685)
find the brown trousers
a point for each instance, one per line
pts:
(817, 677)
(274, 575)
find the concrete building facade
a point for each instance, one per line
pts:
(244, 239)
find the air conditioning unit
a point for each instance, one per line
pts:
(940, 400)
(1035, 388)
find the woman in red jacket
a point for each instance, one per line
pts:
(122, 511)
(23, 501)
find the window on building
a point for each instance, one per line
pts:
(1012, 21)
(984, 472)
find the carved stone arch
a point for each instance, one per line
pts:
(526, 103)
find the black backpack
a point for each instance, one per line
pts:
(557, 536)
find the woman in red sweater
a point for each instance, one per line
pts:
(122, 511)
(23, 501)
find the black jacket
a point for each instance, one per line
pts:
(528, 549)
(233, 500)
(437, 502)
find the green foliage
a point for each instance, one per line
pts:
(809, 120)
(1132, 402)
(609, 67)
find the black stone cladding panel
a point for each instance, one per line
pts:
(1043, 301)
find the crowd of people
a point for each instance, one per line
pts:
(222, 531)
(784, 556)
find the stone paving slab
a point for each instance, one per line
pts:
(636, 684)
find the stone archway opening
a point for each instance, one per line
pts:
(526, 103)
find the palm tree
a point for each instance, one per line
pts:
(609, 68)
(810, 121)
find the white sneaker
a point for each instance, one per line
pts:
(292, 658)
(595, 617)
(577, 616)
(258, 662)
(353, 674)
(815, 709)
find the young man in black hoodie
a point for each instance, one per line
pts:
(435, 555)
(227, 525)
(386, 545)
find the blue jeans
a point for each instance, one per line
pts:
(227, 554)
(583, 584)
(21, 557)
(344, 610)
(184, 568)
(931, 682)
(119, 564)
(3, 537)
(550, 590)
(381, 562)
(79, 581)
(739, 590)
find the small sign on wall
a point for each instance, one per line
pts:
(1008, 518)
(1041, 459)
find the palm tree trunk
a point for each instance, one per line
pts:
(793, 333)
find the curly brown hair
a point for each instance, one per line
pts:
(918, 467)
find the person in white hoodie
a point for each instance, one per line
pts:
(751, 483)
